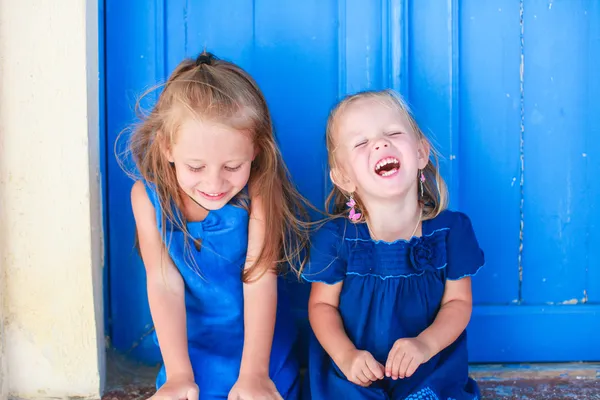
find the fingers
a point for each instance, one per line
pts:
(363, 379)
(192, 393)
(412, 368)
(375, 369)
(390, 360)
(406, 360)
(368, 373)
(398, 359)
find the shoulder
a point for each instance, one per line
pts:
(453, 221)
(141, 203)
(257, 207)
(334, 229)
(464, 255)
(139, 195)
(327, 257)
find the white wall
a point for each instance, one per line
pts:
(50, 211)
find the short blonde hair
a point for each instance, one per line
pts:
(435, 193)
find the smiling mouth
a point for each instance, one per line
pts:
(212, 196)
(387, 167)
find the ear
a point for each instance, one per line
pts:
(168, 154)
(423, 151)
(165, 148)
(339, 179)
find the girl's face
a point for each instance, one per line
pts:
(377, 152)
(212, 161)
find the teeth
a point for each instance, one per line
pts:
(385, 162)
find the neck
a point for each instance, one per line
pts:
(393, 219)
(192, 210)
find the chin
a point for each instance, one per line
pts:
(212, 205)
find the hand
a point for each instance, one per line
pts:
(177, 388)
(361, 368)
(253, 387)
(405, 357)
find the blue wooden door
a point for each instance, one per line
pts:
(507, 88)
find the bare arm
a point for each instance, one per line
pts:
(326, 321)
(260, 311)
(358, 366)
(453, 317)
(260, 301)
(165, 289)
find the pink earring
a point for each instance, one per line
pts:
(354, 216)
(422, 181)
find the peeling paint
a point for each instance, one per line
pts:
(521, 148)
(570, 302)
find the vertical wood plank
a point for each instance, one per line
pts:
(132, 66)
(489, 143)
(556, 212)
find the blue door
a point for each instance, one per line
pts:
(510, 99)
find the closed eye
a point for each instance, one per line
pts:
(360, 144)
(233, 169)
(195, 169)
(395, 133)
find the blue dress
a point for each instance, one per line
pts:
(215, 304)
(392, 291)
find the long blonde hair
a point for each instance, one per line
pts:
(435, 194)
(223, 92)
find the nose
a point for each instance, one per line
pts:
(381, 144)
(214, 181)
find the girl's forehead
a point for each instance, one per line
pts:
(205, 139)
(240, 117)
(371, 113)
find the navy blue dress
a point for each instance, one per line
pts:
(392, 291)
(214, 304)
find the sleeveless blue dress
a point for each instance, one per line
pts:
(215, 304)
(392, 291)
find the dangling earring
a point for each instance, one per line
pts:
(353, 215)
(422, 180)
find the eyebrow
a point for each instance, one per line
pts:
(228, 161)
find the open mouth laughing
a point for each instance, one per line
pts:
(387, 166)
